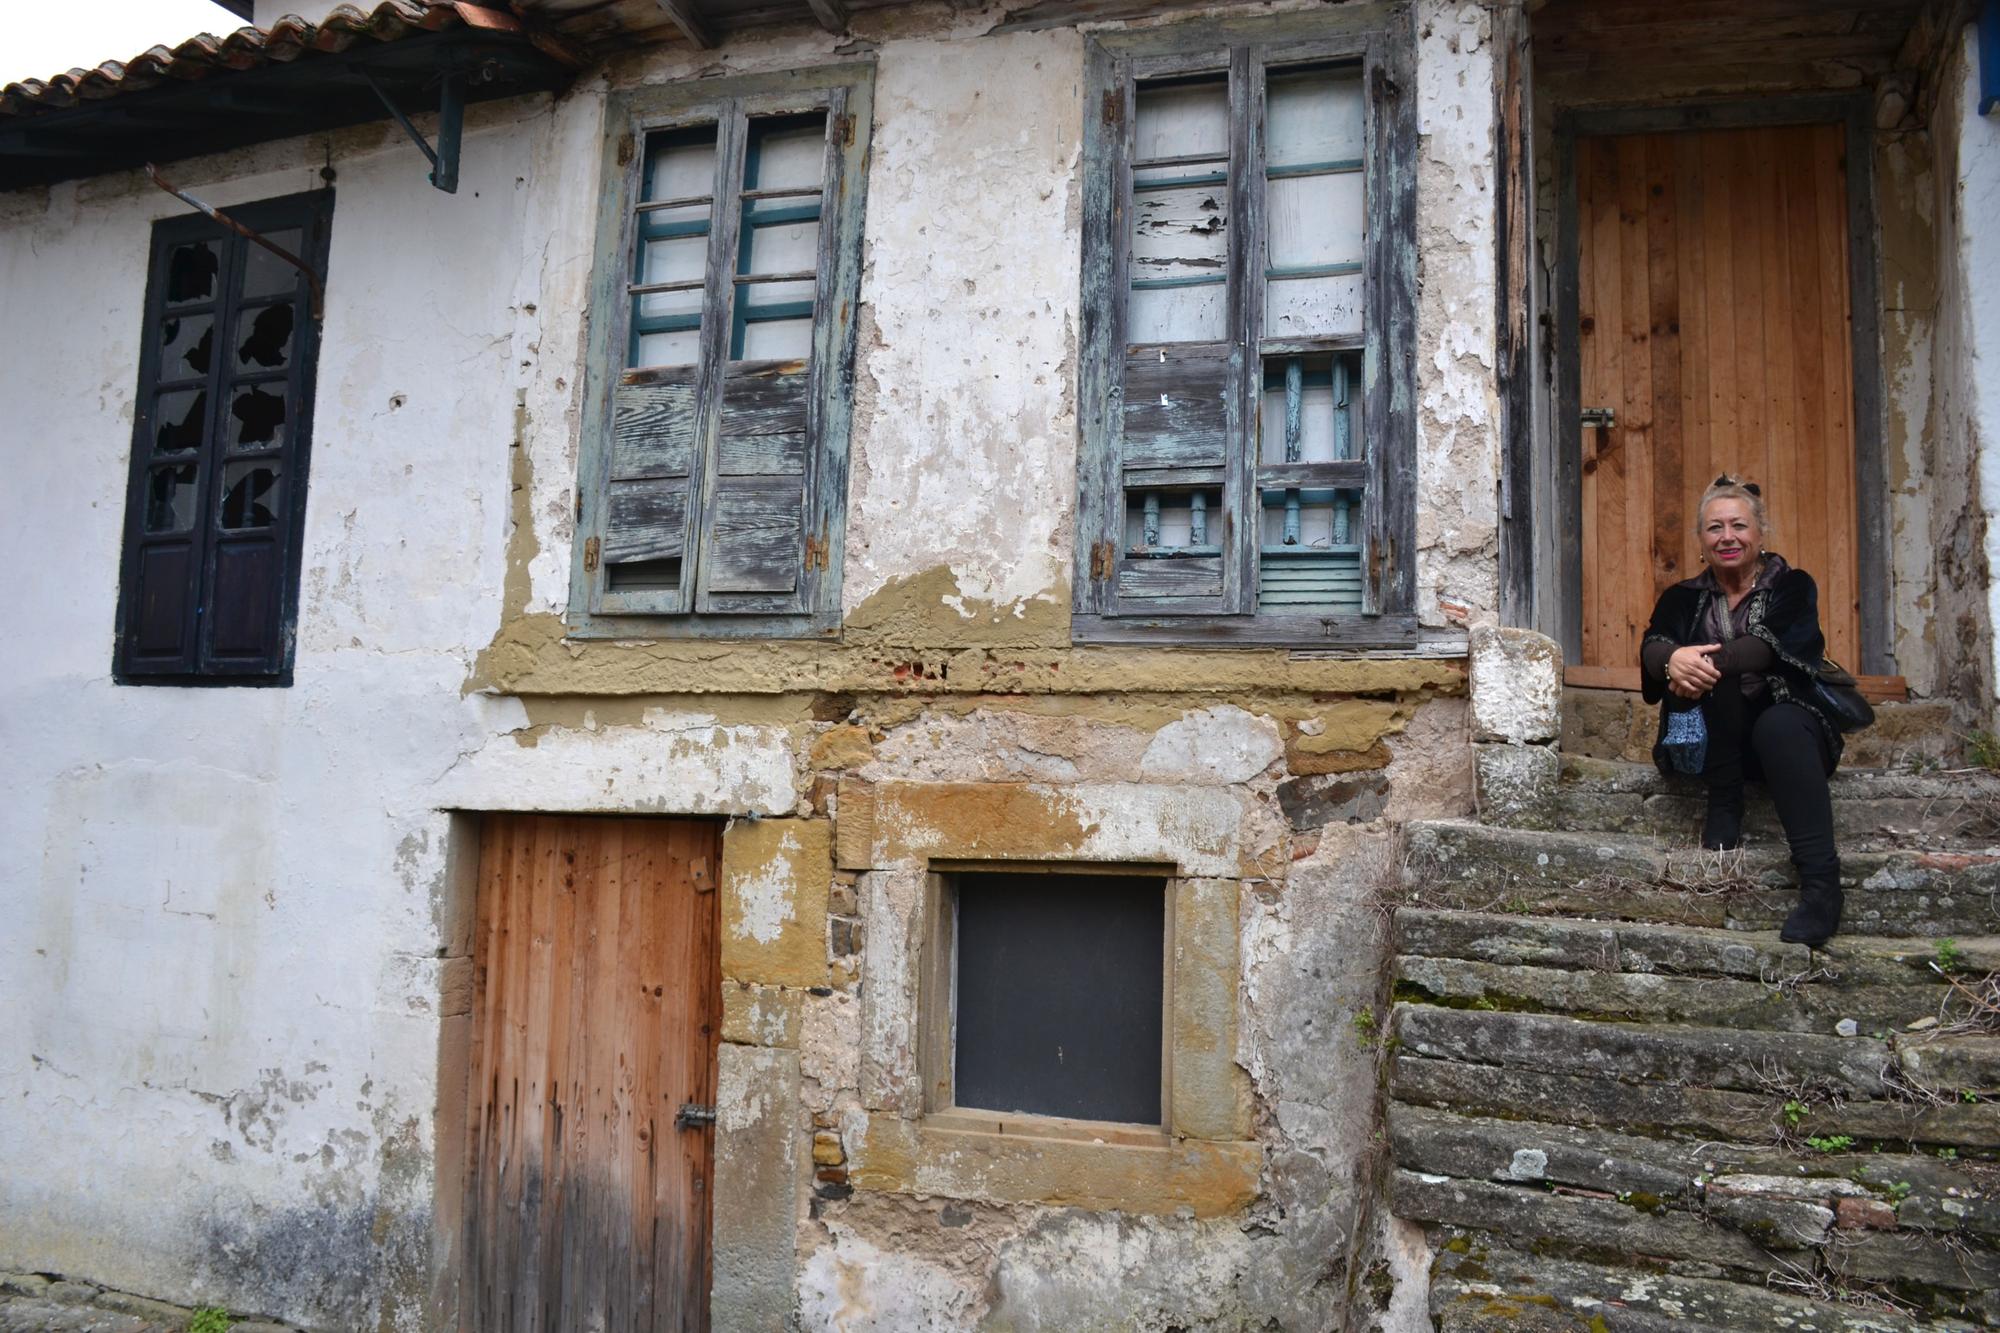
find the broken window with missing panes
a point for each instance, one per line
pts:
(715, 455)
(1242, 468)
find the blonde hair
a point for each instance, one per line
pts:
(1727, 487)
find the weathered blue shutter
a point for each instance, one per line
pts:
(718, 493)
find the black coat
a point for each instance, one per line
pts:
(1785, 616)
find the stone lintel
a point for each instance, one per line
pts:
(1133, 1171)
(1197, 829)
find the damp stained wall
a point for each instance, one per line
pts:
(1966, 400)
(232, 941)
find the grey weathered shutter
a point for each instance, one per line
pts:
(720, 490)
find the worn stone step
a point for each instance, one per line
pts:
(1604, 1226)
(1906, 1190)
(1742, 1061)
(1673, 1108)
(1482, 1283)
(1622, 876)
(1869, 805)
(1650, 947)
(1781, 1005)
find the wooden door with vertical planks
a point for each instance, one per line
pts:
(596, 1012)
(1714, 321)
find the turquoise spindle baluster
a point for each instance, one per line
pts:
(1149, 532)
(1343, 446)
(1198, 519)
(1294, 409)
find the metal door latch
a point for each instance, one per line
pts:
(691, 1115)
(1605, 418)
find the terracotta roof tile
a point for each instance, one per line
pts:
(204, 54)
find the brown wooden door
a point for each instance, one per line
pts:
(1713, 308)
(596, 1012)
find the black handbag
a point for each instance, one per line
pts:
(1835, 693)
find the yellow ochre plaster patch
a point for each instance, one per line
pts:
(776, 874)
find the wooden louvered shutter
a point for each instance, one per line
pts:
(1171, 539)
(719, 490)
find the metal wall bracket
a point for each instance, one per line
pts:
(690, 1116)
(316, 290)
(450, 129)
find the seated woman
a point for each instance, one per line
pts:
(1741, 642)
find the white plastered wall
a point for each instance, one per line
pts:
(220, 955)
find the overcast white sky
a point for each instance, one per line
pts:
(39, 38)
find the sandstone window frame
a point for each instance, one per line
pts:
(720, 483)
(1121, 596)
(938, 1001)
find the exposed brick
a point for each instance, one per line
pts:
(1851, 1213)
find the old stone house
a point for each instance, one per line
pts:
(905, 665)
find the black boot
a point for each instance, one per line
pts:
(1722, 826)
(1817, 917)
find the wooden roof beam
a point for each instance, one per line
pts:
(689, 20)
(832, 15)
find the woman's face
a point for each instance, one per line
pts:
(1729, 533)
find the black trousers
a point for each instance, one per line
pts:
(1784, 745)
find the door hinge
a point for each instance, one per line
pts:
(590, 556)
(1103, 559)
(626, 147)
(844, 129)
(690, 1116)
(1385, 87)
(1114, 105)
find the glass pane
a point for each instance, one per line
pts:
(777, 340)
(1314, 220)
(170, 497)
(264, 337)
(1176, 314)
(785, 153)
(185, 344)
(1312, 117)
(675, 259)
(1313, 307)
(680, 164)
(789, 247)
(250, 494)
(685, 220)
(178, 420)
(676, 347)
(260, 416)
(192, 270)
(264, 274)
(1182, 119)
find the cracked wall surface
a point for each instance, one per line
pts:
(239, 943)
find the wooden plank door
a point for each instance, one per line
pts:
(1714, 320)
(596, 1012)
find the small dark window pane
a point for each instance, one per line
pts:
(1060, 990)
(160, 624)
(192, 270)
(249, 494)
(264, 338)
(185, 344)
(242, 613)
(177, 420)
(260, 416)
(264, 274)
(170, 497)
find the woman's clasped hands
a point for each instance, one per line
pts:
(1691, 671)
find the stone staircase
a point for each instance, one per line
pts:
(1617, 1101)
